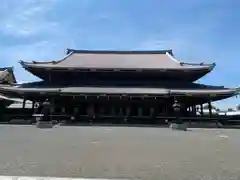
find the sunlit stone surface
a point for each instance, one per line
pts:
(120, 152)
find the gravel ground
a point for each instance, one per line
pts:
(120, 152)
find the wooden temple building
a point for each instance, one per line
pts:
(119, 86)
(6, 78)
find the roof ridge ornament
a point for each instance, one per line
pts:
(120, 51)
(172, 57)
(212, 66)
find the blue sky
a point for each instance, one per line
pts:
(196, 30)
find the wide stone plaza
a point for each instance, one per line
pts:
(120, 152)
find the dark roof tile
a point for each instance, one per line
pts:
(119, 60)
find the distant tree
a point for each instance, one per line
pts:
(238, 107)
(206, 107)
(230, 109)
(214, 107)
(217, 109)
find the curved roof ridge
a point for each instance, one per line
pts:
(120, 51)
(172, 57)
(212, 65)
(65, 57)
(24, 63)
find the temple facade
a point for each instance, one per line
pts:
(119, 86)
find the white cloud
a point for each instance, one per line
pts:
(28, 21)
(26, 18)
(176, 44)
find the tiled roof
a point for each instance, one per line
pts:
(119, 60)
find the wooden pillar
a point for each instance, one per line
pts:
(152, 111)
(194, 110)
(52, 109)
(128, 111)
(24, 103)
(91, 111)
(201, 106)
(102, 110)
(139, 111)
(33, 107)
(50, 78)
(126, 114)
(52, 106)
(120, 111)
(210, 108)
(75, 114)
(63, 113)
(157, 110)
(113, 112)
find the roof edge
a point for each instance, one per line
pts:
(59, 89)
(120, 51)
(10, 68)
(24, 64)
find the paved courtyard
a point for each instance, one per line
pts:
(120, 152)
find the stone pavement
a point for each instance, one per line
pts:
(119, 152)
(45, 178)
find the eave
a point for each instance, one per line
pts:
(44, 72)
(213, 95)
(53, 66)
(162, 61)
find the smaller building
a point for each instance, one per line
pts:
(6, 78)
